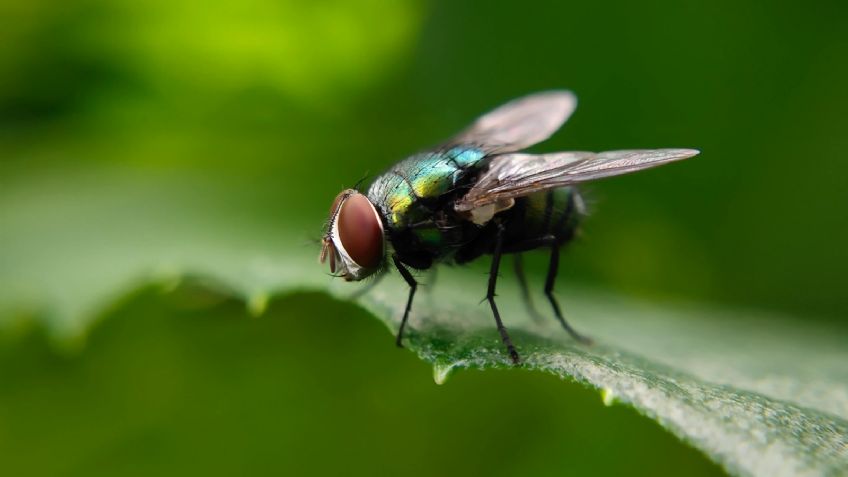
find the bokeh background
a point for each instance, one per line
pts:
(261, 111)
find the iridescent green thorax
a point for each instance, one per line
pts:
(424, 176)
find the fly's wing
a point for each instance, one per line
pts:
(515, 175)
(518, 124)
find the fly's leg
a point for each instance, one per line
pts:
(553, 267)
(413, 285)
(490, 295)
(518, 265)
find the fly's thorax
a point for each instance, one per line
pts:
(354, 241)
(415, 199)
(405, 193)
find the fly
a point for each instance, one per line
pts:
(476, 195)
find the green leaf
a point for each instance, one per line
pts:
(185, 383)
(760, 394)
(756, 392)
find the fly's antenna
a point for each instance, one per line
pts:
(309, 241)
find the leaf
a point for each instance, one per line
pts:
(758, 393)
(186, 383)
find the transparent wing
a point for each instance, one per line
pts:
(515, 175)
(520, 123)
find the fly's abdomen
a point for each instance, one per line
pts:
(553, 212)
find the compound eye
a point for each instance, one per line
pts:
(360, 231)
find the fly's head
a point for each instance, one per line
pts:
(354, 242)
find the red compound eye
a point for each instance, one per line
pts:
(360, 231)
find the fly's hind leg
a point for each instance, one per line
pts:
(553, 267)
(518, 265)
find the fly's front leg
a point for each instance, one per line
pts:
(413, 285)
(490, 295)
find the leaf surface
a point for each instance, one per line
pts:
(761, 394)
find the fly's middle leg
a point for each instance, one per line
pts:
(490, 294)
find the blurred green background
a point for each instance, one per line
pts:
(261, 111)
